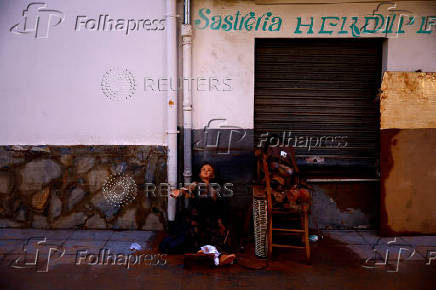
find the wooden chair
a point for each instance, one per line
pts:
(293, 214)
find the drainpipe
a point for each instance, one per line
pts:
(187, 93)
(171, 25)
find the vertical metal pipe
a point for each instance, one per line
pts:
(171, 22)
(187, 15)
(187, 93)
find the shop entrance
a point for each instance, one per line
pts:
(321, 97)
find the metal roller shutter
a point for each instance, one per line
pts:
(317, 88)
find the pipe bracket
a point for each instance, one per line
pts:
(186, 30)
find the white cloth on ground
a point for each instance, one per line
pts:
(212, 250)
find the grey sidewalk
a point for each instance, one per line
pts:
(363, 243)
(340, 260)
(13, 242)
(369, 244)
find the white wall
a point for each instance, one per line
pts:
(231, 53)
(50, 88)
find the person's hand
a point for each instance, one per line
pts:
(192, 186)
(176, 193)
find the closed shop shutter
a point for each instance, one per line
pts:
(320, 95)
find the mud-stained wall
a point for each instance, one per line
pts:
(408, 100)
(350, 205)
(227, 53)
(408, 153)
(335, 205)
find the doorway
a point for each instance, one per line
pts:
(321, 97)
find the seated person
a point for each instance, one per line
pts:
(204, 221)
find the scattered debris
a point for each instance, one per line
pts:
(313, 238)
(135, 246)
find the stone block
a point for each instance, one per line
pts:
(55, 206)
(127, 221)
(100, 202)
(84, 164)
(40, 222)
(39, 199)
(97, 178)
(95, 222)
(73, 220)
(76, 196)
(36, 174)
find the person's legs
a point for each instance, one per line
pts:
(226, 259)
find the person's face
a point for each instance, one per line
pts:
(207, 172)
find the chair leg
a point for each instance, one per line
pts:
(306, 236)
(269, 237)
